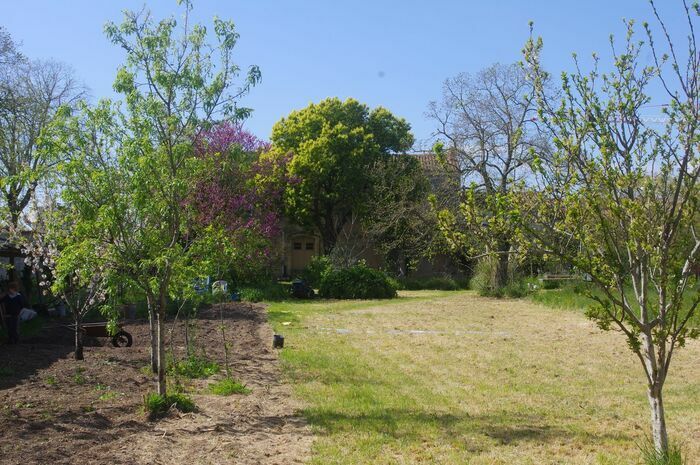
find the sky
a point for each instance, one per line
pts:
(391, 53)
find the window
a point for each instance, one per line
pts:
(309, 246)
(297, 246)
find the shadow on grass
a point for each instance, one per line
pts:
(417, 425)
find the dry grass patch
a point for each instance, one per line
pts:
(439, 377)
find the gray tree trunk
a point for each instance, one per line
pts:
(658, 420)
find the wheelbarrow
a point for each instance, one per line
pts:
(99, 329)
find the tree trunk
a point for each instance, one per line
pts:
(160, 333)
(502, 264)
(658, 420)
(152, 329)
(78, 340)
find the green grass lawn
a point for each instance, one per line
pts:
(485, 382)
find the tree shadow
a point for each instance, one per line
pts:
(411, 424)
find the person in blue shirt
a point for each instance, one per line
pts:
(13, 303)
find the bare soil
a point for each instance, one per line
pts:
(58, 410)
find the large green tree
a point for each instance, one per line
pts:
(335, 145)
(621, 199)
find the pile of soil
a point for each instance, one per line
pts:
(58, 410)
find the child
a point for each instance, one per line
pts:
(13, 302)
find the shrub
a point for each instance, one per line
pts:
(315, 270)
(194, 367)
(483, 280)
(357, 282)
(515, 289)
(264, 291)
(228, 386)
(156, 404)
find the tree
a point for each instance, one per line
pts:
(486, 132)
(240, 194)
(131, 171)
(401, 224)
(69, 264)
(620, 202)
(334, 145)
(32, 94)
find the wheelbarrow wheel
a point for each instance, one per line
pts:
(122, 339)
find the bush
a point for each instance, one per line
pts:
(440, 283)
(228, 386)
(156, 404)
(357, 282)
(515, 289)
(264, 291)
(315, 270)
(483, 280)
(194, 367)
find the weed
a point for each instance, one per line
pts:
(78, 377)
(156, 404)
(194, 367)
(6, 371)
(651, 456)
(228, 386)
(51, 380)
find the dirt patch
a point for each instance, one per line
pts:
(57, 410)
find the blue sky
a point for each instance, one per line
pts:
(382, 52)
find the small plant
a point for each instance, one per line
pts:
(651, 456)
(51, 380)
(157, 405)
(6, 371)
(194, 367)
(108, 395)
(228, 386)
(78, 377)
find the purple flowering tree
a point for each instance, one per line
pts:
(240, 193)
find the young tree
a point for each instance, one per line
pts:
(69, 264)
(133, 194)
(486, 131)
(620, 202)
(334, 145)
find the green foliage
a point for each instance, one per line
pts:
(265, 291)
(515, 289)
(357, 282)
(228, 386)
(193, 367)
(483, 280)
(318, 266)
(157, 405)
(335, 144)
(651, 456)
(79, 377)
(442, 283)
